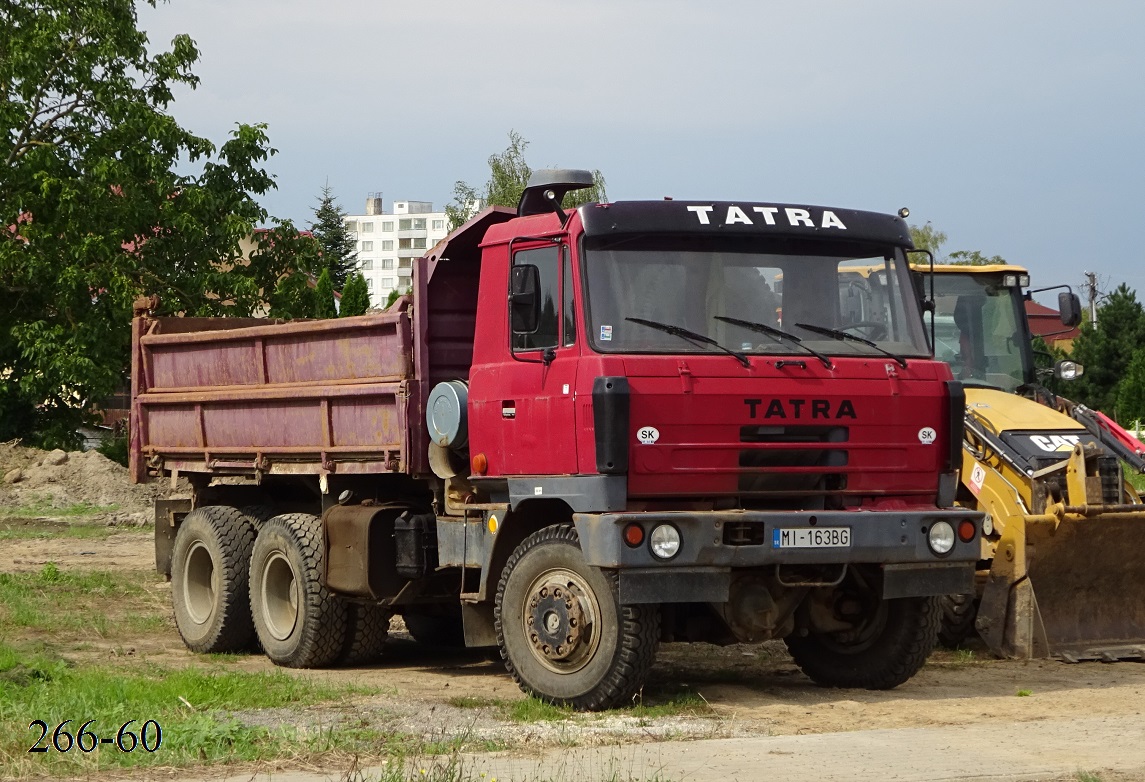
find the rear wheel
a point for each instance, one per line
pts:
(299, 623)
(209, 580)
(958, 615)
(367, 628)
(873, 643)
(563, 634)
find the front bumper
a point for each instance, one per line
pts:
(713, 543)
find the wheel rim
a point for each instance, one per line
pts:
(200, 583)
(279, 596)
(561, 621)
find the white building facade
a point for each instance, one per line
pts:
(389, 242)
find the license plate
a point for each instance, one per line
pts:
(819, 537)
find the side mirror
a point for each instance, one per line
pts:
(1070, 307)
(1066, 369)
(524, 298)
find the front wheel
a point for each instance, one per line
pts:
(299, 623)
(563, 634)
(874, 643)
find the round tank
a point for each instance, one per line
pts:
(445, 414)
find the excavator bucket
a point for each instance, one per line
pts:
(1086, 578)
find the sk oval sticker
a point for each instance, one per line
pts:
(647, 435)
(927, 436)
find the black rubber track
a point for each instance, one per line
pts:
(636, 636)
(319, 636)
(367, 628)
(228, 537)
(958, 615)
(907, 639)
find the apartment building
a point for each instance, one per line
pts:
(389, 242)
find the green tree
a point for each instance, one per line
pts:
(394, 296)
(355, 297)
(324, 306)
(927, 237)
(508, 176)
(104, 197)
(1107, 351)
(1131, 390)
(339, 248)
(973, 258)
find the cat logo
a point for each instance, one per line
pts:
(1052, 443)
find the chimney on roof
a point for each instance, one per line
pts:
(374, 204)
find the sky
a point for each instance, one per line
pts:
(1016, 128)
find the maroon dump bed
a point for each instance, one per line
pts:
(303, 397)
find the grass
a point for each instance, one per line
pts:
(86, 605)
(1088, 776)
(42, 506)
(39, 529)
(536, 710)
(1025, 693)
(1135, 478)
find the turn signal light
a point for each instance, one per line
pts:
(479, 463)
(634, 535)
(966, 530)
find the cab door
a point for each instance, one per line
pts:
(537, 410)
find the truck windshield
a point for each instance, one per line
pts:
(706, 285)
(978, 331)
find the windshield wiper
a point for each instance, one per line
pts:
(777, 335)
(680, 331)
(845, 337)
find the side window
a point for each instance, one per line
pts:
(569, 300)
(548, 263)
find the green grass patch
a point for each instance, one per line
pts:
(1025, 693)
(28, 529)
(42, 506)
(1135, 478)
(80, 605)
(677, 704)
(199, 712)
(1088, 776)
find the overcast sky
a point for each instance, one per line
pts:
(1017, 128)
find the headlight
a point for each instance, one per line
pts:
(1010, 280)
(665, 541)
(940, 537)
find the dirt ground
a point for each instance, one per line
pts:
(753, 691)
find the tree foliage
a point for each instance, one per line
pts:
(339, 248)
(1107, 352)
(355, 297)
(927, 237)
(104, 197)
(324, 306)
(508, 176)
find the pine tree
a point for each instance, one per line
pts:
(324, 297)
(339, 246)
(355, 297)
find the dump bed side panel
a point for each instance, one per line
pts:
(301, 397)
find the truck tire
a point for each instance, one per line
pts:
(958, 615)
(299, 623)
(209, 580)
(368, 627)
(258, 514)
(440, 627)
(892, 645)
(547, 594)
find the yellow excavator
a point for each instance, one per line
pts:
(1063, 549)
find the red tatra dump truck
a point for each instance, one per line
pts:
(584, 433)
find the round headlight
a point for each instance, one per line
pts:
(664, 541)
(940, 537)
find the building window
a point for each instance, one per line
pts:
(367, 228)
(419, 223)
(387, 282)
(352, 226)
(419, 244)
(405, 244)
(405, 225)
(369, 283)
(366, 265)
(387, 245)
(439, 225)
(387, 226)
(405, 263)
(387, 263)
(367, 247)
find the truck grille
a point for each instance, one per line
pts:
(780, 451)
